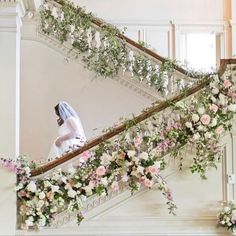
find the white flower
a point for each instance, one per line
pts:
(55, 188)
(88, 190)
(42, 195)
(208, 135)
(30, 221)
(78, 185)
(62, 16)
(223, 99)
(135, 159)
(215, 91)
(195, 117)
(200, 127)
(226, 209)
(232, 107)
(196, 136)
(40, 204)
(131, 153)
(54, 12)
(27, 170)
(201, 110)
(32, 187)
(222, 222)
(47, 184)
(46, 6)
(188, 125)
(213, 122)
(106, 159)
(140, 169)
(104, 181)
(19, 186)
(42, 221)
(125, 178)
(135, 173)
(64, 179)
(144, 156)
(71, 193)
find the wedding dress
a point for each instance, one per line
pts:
(72, 128)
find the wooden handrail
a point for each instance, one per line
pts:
(120, 128)
(100, 23)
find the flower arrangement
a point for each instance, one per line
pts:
(136, 157)
(227, 217)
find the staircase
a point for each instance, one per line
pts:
(113, 212)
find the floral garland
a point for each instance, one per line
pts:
(135, 157)
(109, 53)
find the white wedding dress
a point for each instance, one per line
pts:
(67, 145)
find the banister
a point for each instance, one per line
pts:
(96, 21)
(120, 128)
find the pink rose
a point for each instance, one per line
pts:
(152, 169)
(227, 83)
(233, 95)
(85, 155)
(115, 186)
(101, 170)
(219, 130)
(214, 108)
(137, 142)
(148, 183)
(205, 119)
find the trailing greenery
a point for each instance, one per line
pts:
(104, 49)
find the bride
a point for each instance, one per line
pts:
(71, 132)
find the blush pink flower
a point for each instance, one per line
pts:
(227, 83)
(115, 186)
(205, 119)
(21, 193)
(219, 130)
(148, 183)
(137, 142)
(85, 155)
(152, 169)
(101, 170)
(233, 95)
(214, 107)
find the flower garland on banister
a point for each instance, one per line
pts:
(135, 157)
(103, 51)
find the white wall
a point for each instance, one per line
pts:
(193, 10)
(47, 78)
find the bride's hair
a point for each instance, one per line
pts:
(63, 110)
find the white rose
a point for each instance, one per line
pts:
(71, 193)
(32, 187)
(213, 122)
(232, 107)
(88, 190)
(54, 188)
(195, 117)
(196, 136)
(64, 179)
(208, 135)
(188, 125)
(223, 99)
(215, 91)
(30, 221)
(140, 169)
(42, 195)
(201, 110)
(226, 209)
(104, 181)
(47, 184)
(40, 204)
(144, 156)
(200, 127)
(131, 153)
(106, 159)
(78, 185)
(158, 164)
